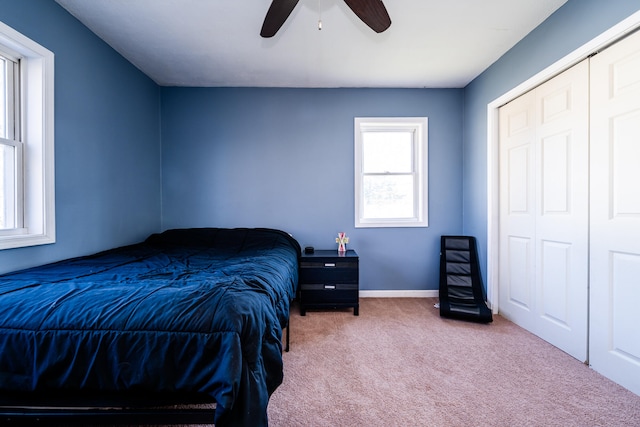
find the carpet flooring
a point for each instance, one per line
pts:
(400, 364)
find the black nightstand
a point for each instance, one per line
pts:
(329, 279)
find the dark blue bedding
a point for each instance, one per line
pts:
(193, 310)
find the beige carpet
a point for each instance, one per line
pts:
(400, 364)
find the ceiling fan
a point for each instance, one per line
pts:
(371, 12)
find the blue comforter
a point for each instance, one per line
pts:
(194, 310)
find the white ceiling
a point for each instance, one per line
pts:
(431, 43)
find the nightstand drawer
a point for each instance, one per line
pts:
(329, 293)
(329, 264)
(328, 275)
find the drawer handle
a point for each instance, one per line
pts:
(329, 264)
(329, 286)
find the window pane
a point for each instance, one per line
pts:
(3, 98)
(388, 196)
(387, 152)
(7, 186)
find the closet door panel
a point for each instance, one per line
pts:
(519, 267)
(556, 174)
(562, 221)
(556, 278)
(544, 211)
(517, 211)
(615, 213)
(625, 129)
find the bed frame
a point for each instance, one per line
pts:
(102, 410)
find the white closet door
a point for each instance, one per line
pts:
(562, 234)
(517, 211)
(615, 213)
(544, 160)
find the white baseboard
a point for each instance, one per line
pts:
(399, 294)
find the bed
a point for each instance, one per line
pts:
(186, 314)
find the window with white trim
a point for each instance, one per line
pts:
(10, 145)
(27, 211)
(391, 163)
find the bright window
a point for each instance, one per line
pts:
(391, 172)
(10, 145)
(27, 214)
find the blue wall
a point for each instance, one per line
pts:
(570, 27)
(107, 132)
(264, 157)
(283, 158)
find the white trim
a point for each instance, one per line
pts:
(400, 294)
(419, 127)
(600, 42)
(37, 75)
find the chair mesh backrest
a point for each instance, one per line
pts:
(461, 290)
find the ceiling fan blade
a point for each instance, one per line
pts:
(278, 12)
(371, 12)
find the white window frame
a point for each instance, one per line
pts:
(13, 211)
(418, 126)
(36, 135)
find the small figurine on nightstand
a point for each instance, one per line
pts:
(342, 241)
